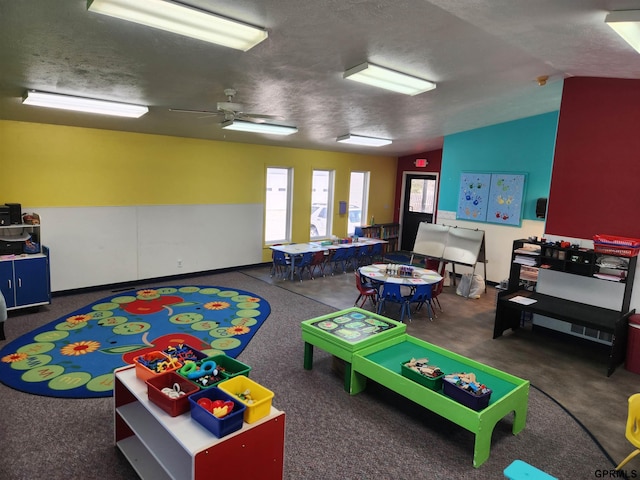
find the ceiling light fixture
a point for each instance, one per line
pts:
(269, 128)
(81, 104)
(626, 23)
(388, 79)
(360, 140)
(183, 20)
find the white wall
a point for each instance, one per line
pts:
(92, 246)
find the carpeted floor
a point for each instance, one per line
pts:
(329, 434)
(75, 355)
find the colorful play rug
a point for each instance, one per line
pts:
(75, 355)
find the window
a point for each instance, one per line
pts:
(321, 202)
(422, 196)
(277, 220)
(358, 195)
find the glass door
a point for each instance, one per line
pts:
(418, 205)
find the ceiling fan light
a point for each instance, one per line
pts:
(82, 104)
(366, 141)
(388, 79)
(626, 23)
(183, 20)
(268, 128)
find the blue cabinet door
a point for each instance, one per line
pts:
(32, 281)
(7, 285)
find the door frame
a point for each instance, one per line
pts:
(402, 194)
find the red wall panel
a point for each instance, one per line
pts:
(406, 164)
(596, 170)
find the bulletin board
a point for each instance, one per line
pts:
(491, 197)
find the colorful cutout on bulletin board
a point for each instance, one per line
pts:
(505, 199)
(473, 197)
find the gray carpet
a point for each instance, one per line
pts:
(329, 434)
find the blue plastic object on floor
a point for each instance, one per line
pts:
(519, 470)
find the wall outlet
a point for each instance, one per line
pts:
(179, 263)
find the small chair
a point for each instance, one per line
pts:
(367, 291)
(437, 266)
(391, 293)
(303, 263)
(281, 264)
(420, 296)
(339, 257)
(377, 252)
(633, 428)
(317, 262)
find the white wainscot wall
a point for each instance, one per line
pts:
(92, 246)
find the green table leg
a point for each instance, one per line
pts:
(308, 356)
(358, 382)
(482, 446)
(347, 376)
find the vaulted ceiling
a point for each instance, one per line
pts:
(484, 55)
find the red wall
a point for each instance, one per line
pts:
(595, 182)
(405, 164)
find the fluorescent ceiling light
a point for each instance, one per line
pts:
(359, 140)
(626, 23)
(270, 128)
(183, 20)
(81, 104)
(389, 79)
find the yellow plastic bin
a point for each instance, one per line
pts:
(256, 398)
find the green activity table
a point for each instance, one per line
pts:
(345, 332)
(381, 362)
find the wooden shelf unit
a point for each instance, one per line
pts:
(582, 262)
(384, 231)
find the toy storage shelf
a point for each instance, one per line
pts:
(159, 446)
(584, 263)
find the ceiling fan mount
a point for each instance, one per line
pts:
(229, 110)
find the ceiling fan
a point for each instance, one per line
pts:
(230, 110)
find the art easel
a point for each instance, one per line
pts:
(451, 244)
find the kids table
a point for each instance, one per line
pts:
(345, 332)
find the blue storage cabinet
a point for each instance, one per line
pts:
(25, 281)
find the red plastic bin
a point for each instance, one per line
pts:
(173, 406)
(615, 245)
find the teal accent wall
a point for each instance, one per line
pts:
(522, 146)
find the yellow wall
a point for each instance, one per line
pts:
(57, 166)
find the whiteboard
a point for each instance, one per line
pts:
(452, 244)
(431, 239)
(463, 245)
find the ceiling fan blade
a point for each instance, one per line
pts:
(202, 113)
(259, 115)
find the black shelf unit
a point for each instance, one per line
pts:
(571, 261)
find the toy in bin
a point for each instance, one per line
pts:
(217, 411)
(154, 363)
(170, 392)
(421, 372)
(465, 389)
(204, 374)
(184, 353)
(256, 398)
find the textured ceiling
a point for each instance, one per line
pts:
(484, 55)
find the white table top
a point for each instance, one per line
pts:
(300, 248)
(421, 276)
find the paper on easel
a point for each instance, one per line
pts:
(522, 300)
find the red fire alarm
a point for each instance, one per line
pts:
(421, 162)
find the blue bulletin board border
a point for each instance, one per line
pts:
(491, 197)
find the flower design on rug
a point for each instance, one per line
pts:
(77, 319)
(80, 348)
(14, 357)
(238, 330)
(217, 305)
